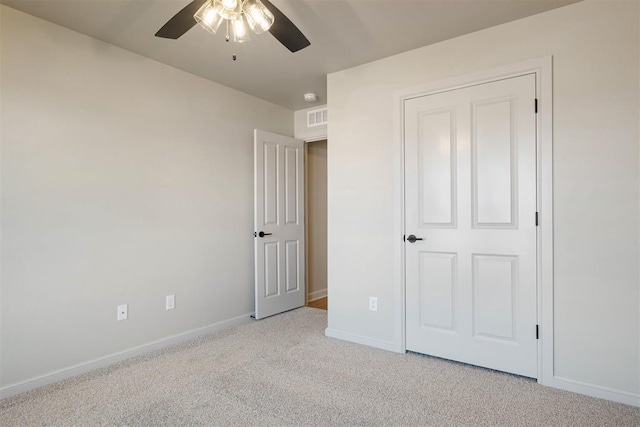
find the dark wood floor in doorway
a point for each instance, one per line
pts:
(319, 303)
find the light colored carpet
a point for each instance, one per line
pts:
(284, 371)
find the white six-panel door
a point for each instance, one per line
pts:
(470, 193)
(278, 223)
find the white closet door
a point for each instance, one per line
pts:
(471, 197)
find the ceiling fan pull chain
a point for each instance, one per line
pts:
(227, 38)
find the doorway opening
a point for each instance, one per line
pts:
(316, 223)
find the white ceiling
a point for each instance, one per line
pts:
(343, 34)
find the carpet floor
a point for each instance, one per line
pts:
(284, 371)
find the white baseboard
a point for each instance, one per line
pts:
(359, 339)
(312, 296)
(594, 390)
(81, 368)
(601, 392)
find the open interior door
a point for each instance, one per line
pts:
(278, 223)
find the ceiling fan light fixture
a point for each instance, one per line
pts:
(259, 17)
(241, 32)
(229, 9)
(209, 17)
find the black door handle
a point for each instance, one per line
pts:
(413, 239)
(262, 234)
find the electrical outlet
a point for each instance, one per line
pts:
(123, 312)
(373, 303)
(171, 302)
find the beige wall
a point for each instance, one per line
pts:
(316, 219)
(123, 181)
(596, 183)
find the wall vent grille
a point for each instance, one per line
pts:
(317, 117)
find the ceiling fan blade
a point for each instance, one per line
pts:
(181, 21)
(285, 31)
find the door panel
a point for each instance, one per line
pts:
(493, 154)
(292, 172)
(270, 184)
(470, 194)
(271, 278)
(437, 172)
(438, 287)
(293, 266)
(278, 202)
(494, 282)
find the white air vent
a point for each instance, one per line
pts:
(317, 117)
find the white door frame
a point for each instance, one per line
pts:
(542, 69)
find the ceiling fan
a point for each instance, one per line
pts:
(260, 15)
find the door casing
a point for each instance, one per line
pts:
(542, 69)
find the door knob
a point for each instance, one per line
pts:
(413, 239)
(262, 234)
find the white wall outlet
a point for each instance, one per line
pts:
(171, 302)
(373, 303)
(123, 311)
